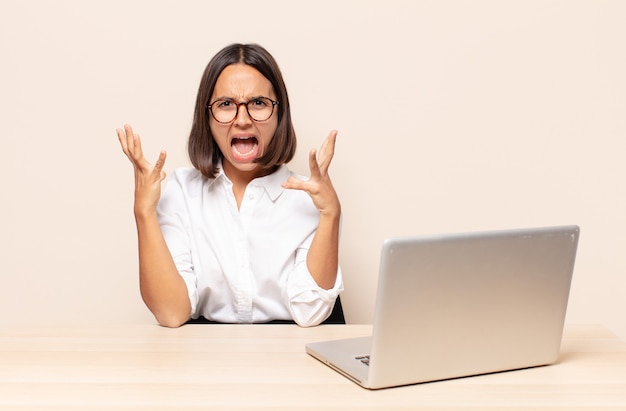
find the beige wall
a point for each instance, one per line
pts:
(453, 116)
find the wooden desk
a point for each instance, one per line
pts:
(243, 367)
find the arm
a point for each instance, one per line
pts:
(323, 256)
(162, 288)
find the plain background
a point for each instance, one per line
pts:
(452, 115)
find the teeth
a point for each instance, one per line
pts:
(249, 140)
(243, 154)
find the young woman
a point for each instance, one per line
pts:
(238, 238)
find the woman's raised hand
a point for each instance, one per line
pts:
(148, 178)
(319, 186)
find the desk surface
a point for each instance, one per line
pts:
(244, 367)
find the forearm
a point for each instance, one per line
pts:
(323, 256)
(162, 288)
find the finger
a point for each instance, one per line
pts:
(158, 166)
(313, 165)
(329, 142)
(294, 183)
(121, 136)
(130, 138)
(137, 149)
(327, 152)
(134, 149)
(133, 141)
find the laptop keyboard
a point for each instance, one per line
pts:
(365, 359)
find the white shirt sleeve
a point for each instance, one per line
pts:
(310, 304)
(176, 229)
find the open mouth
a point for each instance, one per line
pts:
(244, 148)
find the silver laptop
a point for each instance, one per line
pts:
(458, 305)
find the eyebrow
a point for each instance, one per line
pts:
(234, 99)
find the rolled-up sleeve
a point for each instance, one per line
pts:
(308, 303)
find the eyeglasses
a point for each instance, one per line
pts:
(226, 110)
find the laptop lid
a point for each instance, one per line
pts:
(464, 304)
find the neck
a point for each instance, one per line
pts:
(241, 178)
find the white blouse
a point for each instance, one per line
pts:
(246, 265)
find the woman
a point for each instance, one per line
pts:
(239, 238)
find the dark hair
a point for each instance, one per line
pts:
(204, 152)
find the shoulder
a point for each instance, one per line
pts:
(187, 177)
(284, 172)
(185, 182)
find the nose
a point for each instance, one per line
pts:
(242, 117)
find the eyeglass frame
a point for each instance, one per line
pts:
(274, 104)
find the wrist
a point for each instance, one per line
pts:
(331, 213)
(145, 214)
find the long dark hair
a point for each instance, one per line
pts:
(204, 152)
